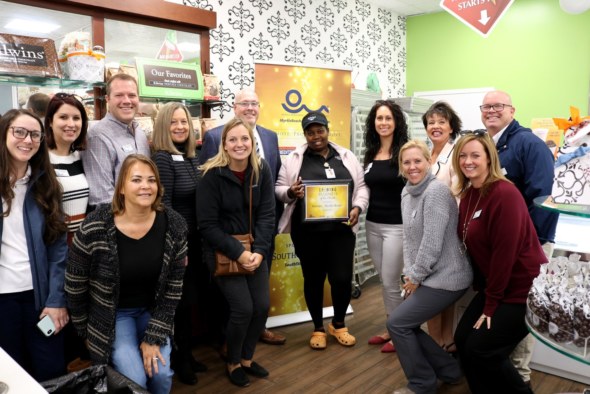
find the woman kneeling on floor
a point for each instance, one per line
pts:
(437, 272)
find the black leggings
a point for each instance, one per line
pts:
(484, 353)
(322, 254)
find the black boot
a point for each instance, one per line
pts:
(196, 366)
(182, 369)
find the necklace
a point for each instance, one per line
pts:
(468, 219)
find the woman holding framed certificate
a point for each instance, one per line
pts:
(386, 131)
(325, 192)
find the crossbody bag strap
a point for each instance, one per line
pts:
(250, 218)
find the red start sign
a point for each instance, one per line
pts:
(480, 15)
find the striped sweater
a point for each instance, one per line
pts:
(92, 282)
(70, 175)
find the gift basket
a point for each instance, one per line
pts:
(558, 304)
(571, 184)
(79, 60)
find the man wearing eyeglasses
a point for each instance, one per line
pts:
(528, 163)
(112, 139)
(247, 107)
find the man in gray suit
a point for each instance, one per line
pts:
(247, 107)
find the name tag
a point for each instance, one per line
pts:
(127, 148)
(477, 214)
(330, 174)
(177, 158)
(504, 172)
(413, 213)
(61, 172)
(443, 160)
(368, 168)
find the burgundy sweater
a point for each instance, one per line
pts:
(502, 242)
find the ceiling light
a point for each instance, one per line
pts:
(31, 26)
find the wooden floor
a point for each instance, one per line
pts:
(296, 368)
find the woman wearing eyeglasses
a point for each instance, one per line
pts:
(66, 124)
(496, 230)
(442, 126)
(33, 248)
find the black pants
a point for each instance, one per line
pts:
(42, 357)
(325, 253)
(183, 327)
(484, 353)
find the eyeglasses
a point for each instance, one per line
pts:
(21, 133)
(246, 104)
(478, 132)
(496, 107)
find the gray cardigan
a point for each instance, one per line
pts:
(432, 252)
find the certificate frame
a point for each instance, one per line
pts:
(326, 200)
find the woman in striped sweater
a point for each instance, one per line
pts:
(66, 124)
(173, 141)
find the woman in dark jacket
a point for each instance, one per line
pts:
(223, 211)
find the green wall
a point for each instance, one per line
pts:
(536, 52)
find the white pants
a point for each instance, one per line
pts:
(385, 243)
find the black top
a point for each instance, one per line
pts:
(386, 188)
(140, 264)
(313, 168)
(223, 210)
(178, 175)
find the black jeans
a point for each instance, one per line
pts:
(248, 297)
(484, 354)
(325, 253)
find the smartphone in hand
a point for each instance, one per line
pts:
(46, 326)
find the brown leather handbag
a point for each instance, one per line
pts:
(224, 266)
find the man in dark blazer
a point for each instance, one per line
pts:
(247, 107)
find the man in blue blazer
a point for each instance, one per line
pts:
(247, 107)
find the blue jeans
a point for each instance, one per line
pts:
(126, 357)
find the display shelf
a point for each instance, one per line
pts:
(208, 103)
(548, 333)
(13, 79)
(568, 209)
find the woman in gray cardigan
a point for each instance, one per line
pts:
(436, 270)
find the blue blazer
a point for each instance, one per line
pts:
(270, 145)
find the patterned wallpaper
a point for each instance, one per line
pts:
(350, 34)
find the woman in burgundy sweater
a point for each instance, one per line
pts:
(497, 232)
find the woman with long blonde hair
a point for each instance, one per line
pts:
(223, 202)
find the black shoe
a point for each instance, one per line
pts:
(184, 373)
(197, 366)
(255, 370)
(238, 377)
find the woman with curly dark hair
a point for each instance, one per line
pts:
(386, 132)
(33, 248)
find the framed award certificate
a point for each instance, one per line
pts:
(327, 200)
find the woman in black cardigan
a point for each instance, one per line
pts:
(173, 141)
(124, 277)
(222, 211)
